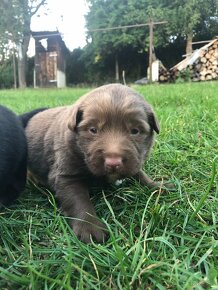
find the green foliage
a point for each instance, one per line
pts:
(6, 74)
(183, 17)
(186, 19)
(75, 68)
(106, 14)
(183, 76)
(158, 240)
(13, 21)
(188, 14)
(83, 67)
(15, 30)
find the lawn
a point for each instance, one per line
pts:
(158, 240)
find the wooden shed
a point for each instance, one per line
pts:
(50, 54)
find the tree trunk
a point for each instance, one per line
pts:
(14, 69)
(189, 43)
(22, 61)
(117, 78)
(21, 65)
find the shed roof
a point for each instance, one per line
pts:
(39, 35)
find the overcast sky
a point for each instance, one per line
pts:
(65, 15)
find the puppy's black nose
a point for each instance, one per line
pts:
(113, 163)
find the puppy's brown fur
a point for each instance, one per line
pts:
(107, 133)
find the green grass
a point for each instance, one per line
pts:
(157, 240)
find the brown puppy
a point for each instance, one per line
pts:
(107, 133)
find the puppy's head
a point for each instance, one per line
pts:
(114, 129)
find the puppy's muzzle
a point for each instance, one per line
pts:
(113, 163)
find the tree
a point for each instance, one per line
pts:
(107, 14)
(75, 67)
(187, 16)
(6, 73)
(15, 28)
(184, 18)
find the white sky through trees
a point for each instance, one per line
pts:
(65, 15)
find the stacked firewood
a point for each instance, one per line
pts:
(206, 66)
(164, 74)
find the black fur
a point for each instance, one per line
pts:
(13, 153)
(27, 116)
(13, 156)
(79, 117)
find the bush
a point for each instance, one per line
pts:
(6, 74)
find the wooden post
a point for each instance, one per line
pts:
(151, 25)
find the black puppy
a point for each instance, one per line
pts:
(13, 153)
(13, 156)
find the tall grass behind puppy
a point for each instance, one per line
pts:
(107, 134)
(13, 156)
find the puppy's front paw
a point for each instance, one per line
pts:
(88, 230)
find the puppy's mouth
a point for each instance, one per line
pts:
(113, 168)
(114, 177)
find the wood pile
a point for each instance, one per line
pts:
(202, 65)
(164, 74)
(206, 66)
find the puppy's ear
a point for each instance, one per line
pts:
(79, 117)
(153, 122)
(152, 119)
(75, 118)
